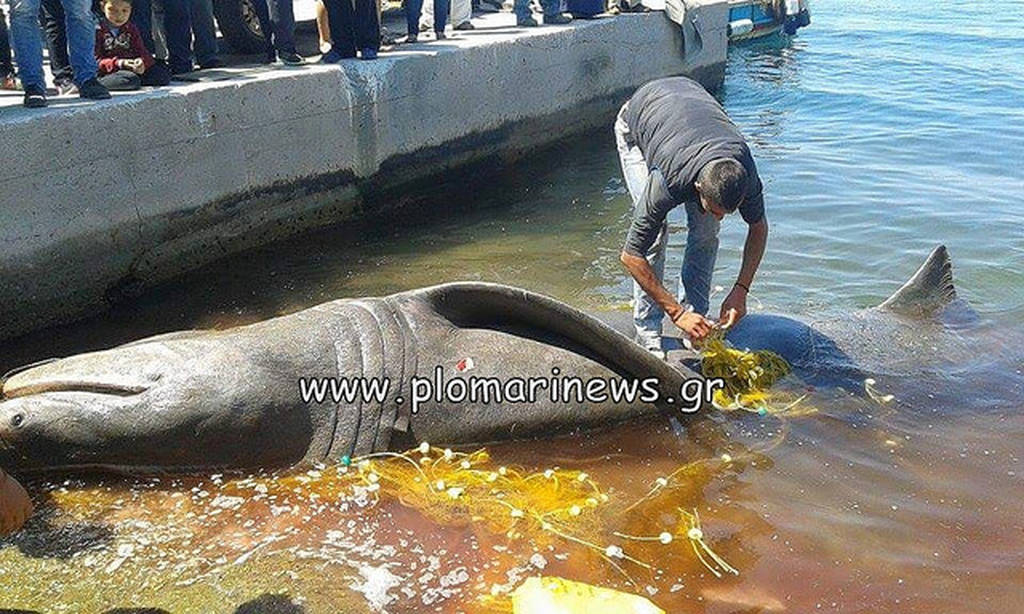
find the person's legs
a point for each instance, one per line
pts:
(282, 14)
(699, 260)
(522, 10)
(341, 17)
(80, 25)
(647, 314)
(51, 14)
(553, 7)
(262, 8)
(367, 25)
(203, 30)
(415, 13)
(441, 8)
(6, 59)
(462, 11)
(28, 46)
(142, 17)
(178, 33)
(323, 27)
(426, 15)
(121, 81)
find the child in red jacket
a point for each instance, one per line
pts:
(124, 61)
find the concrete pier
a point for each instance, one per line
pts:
(102, 199)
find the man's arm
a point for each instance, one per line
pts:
(648, 218)
(753, 251)
(15, 506)
(694, 324)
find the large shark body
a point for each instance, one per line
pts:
(231, 399)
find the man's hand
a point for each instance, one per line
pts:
(734, 307)
(693, 324)
(15, 506)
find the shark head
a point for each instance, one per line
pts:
(138, 407)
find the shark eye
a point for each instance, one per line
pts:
(17, 420)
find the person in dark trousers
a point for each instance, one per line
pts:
(678, 147)
(277, 20)
(124, 61)
(204, 32)
(413, 11)
(178, 34)
(51, 16)
(7, 81)
(354, 24)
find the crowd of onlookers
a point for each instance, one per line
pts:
(95, 46)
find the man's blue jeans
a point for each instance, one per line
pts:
(413, 9)
(701, 245)
(522, 8)
(28, 43)
(204, 31)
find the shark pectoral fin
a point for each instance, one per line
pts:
(928, 291)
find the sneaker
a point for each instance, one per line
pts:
(213, 63)
(333, 57)
(290, 58)
(412, 38)
(465, 25)
(529, 22)
(557, 20)
(269, 58)
(93, 90)
(368, 53)
(35, 98)
(440, 35)
(424, 27)
(66, 88)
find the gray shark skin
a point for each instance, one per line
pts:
(909, 334)
(230, 399)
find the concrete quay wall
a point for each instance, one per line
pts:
(101, 200)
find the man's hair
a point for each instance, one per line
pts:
(128, 2)
(723, 182)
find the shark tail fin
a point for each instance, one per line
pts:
(928, 291)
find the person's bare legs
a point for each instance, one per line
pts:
(323, 28)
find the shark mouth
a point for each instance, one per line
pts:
(44, 385)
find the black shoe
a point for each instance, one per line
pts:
(213, 63)
(557, 20)
(93, 90)
(368, 53)
(440, 35)
(465, 25)
(290, 58)
(529, 22)
(333, 57)
(270, 57)
(35, 98)
(412, 38)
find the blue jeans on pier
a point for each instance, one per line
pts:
(178, 34)
(413, 9)
(204, 31)
(698, 259)
(28, 43)
(551, 8)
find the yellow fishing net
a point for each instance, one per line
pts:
(747, 378)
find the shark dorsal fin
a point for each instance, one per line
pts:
(928, 291)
